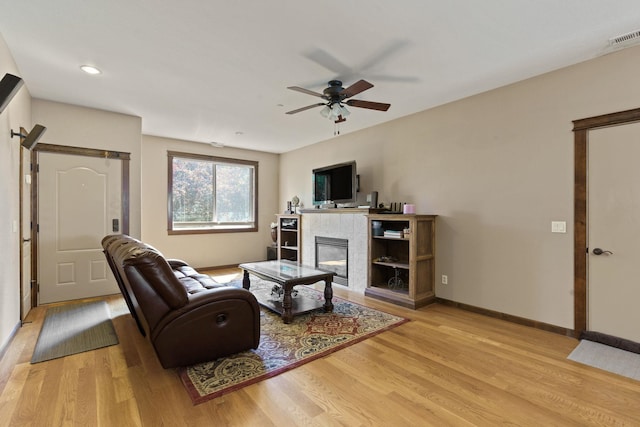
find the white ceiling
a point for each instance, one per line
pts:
(212, 70)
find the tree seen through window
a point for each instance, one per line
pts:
(211, 193)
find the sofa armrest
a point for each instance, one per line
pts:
(212, 324)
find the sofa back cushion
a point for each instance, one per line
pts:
(148, 278)
(154, 269)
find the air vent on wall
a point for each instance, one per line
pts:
(625, 40)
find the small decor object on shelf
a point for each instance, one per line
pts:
(408, 209)
(289, 223)
(376, 228)
(396, 282)
(295, 200)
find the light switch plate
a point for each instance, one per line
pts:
(558, 226)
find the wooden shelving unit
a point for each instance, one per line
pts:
(402, 268)
(288, 240)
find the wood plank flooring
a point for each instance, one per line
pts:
(447, 367)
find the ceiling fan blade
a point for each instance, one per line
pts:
(303, 90)
(356, 88)
(368, 104)
(328, 61)
(308, 107)
(382, 55)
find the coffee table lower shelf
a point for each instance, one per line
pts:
(299, 305)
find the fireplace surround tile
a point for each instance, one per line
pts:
(344, 225)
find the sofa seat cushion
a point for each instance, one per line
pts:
(193, 281)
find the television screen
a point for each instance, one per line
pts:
(336, 183)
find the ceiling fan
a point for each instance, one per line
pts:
(336, 96)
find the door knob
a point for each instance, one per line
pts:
(598, 251)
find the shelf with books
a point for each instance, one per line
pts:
(402, 259)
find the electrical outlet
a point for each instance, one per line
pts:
(445, 279)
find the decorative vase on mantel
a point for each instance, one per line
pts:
(296, 202)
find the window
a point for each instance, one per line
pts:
(211, 194)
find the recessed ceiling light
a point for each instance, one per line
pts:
(90, 69)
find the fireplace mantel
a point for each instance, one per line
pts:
(341, 211)
(347, 223)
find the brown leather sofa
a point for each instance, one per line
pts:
(187, 316)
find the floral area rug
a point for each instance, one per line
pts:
(284, 347)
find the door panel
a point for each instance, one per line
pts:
(79, 197)
(26, 279)
(25, 212)
(614, 225)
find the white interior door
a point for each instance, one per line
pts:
(614, 226)
(79, 199)
(25, 211)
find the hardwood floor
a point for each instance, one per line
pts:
(445, 367)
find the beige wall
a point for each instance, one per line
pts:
(77, 126)
(497, 168)
(17, 114)
(204, 250)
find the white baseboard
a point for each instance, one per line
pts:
(5, 345)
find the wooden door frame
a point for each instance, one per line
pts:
(581, 130)
(21, 183)
(78, 151)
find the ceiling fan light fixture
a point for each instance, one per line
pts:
(335, 95)
(336, 110)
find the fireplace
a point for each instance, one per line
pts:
(333, 255)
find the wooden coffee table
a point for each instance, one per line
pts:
(289, 274)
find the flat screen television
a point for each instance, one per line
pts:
(335, 184)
